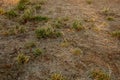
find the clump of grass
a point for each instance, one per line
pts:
(116, 33)
(22, 4)
(47, 33)
(20, 29)
(37, 6)
(89, 1)
(60, 22)
(40, 18)
(22, 58)
(77, 51)
(77, 25)
(27, 15)
(89, 19)
(99, 75)
(2, 11)
(57, 76)
(24, 1)
(110, 18)
(106, 11)
(64, 44)
(14, 31)
(42, 2)
(37, 52)
(30, 44)
(11, 13)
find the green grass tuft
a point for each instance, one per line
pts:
(99, 75)
(22, 4)
(77, 25)
(57, 76)
(89, 1)
(116, 33)
(77, 51)
(11, 13)
(60, 22)
(2, 11)
(110, 18)
(30, 44)
(40, 18)
(37, 52)
(27, 15)
(47, 33)
(14, 31)
(37, 6)
(22, 58)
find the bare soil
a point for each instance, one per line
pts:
(100, 49)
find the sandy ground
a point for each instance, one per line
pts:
(100, 50)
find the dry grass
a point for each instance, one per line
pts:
(66, 36)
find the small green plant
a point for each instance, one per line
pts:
(116, 33)
(89, 1)
(42, 2)
(57, 76)
(27, 15)
(30, 44)
(47, 33)
(77, 25)
(22, 58)
(14, 31)
(24, 1)
(110, 18)
(2, 11)
(20, 29)
(39, 18)
(77, 51)
(107, 11)
(37, 52)
(60, 22)
(11, 13)
(99, 75)
(65, 44)
(37, 6)
(21, 6)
